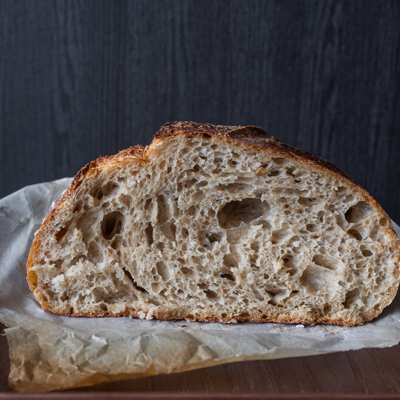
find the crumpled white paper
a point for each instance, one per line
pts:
(50, 352)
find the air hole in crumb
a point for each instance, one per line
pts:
(211, 295)
(279, 235)
(61, 233)
(184, 233)
(64, 297)
(149, 234)
(202, 286)
(155, 287)
(169, 230)
(311, 227)
(273, 173)
(78, 208)
(134, 284)
(97, 192)
(111, 224)
(255, 246)
(351, 297)
(325, 261)
(355, 234)
(206, 136)
(104, 307)
(327, 308)
(290, 265)
(358, 212)
(213, 237)
(139, 288)
(199, 266)
(164, 215)
(290, 170)
(367, 253)
(313, 279)
(188, 272)
(196, 168)
(374, 233)
(162, 270)
(95, 253)
(307, 201)
(191, 210)
(229, 261)
(264, 224)
(234, 187)
(348, 198)
(286, 192)
(228, 276)
(383, 222)
(257, 294)
(237, 213)
(147, 204)
(276, 294)
(160, 246)
(279, 161)
(109, 188)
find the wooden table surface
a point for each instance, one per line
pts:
(369, 374)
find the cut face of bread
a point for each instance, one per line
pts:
(216, 224)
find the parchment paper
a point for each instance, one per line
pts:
(50, 352)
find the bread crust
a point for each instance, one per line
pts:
(247, 137)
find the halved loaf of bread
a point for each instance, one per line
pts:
(219, 224)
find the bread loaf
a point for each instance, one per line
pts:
(218, 224)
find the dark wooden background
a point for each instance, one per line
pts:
(84, 78)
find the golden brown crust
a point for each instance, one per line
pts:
(279, 318)
(248, 136)
(252, 136)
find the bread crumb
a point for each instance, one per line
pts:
(181, 326)
(299, 326)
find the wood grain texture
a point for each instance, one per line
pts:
(84, 78)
